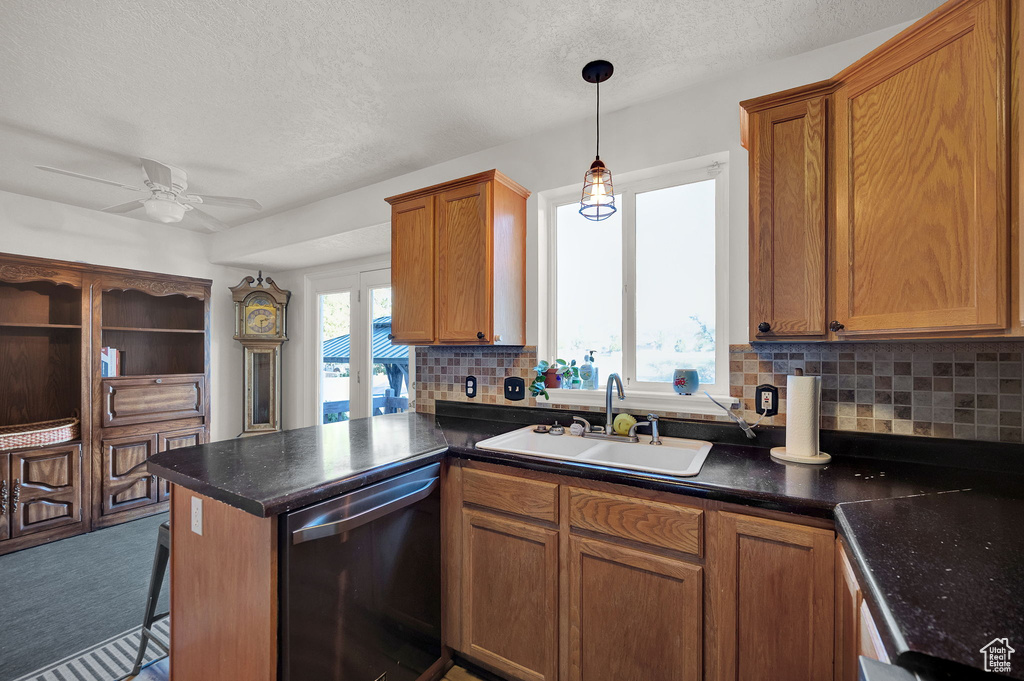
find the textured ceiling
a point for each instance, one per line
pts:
(289, 101)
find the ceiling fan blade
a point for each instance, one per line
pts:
(233, 201)
(124, 207)
(208, 221)
(90, 177)
(158, 173)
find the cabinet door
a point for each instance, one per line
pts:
(922, 228)
(46, 489)
(126, 484)
(633, 616)
(412, 271)
(5, 496)
(176, 439)
(848, 601)
(775, 604)
(787, 221)
(464, 261)
(510, 595)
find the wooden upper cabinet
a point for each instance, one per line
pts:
(922, 227)
(787, 219)
(45, 488)
(463, 258)
(775, 600)
(412, 270)
(458, 259)
(633, 615)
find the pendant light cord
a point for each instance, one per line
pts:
(597, 149)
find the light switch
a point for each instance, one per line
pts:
(197, 515)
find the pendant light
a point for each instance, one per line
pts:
(598, 201)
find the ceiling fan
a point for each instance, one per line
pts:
(168, 201)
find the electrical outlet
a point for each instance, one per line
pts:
(515, 388)
(470, 386)
(766, 399)
(197, 515)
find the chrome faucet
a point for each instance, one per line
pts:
(608, 430)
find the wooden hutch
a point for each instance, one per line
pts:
(55, 319)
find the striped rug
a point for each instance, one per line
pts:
(107, 661)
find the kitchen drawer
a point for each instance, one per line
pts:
(521, 496)
(149, 399)
(670, 526)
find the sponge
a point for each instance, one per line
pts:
(622, 424)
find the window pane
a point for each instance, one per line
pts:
(390, 384)
(335, 324)
(675, 281)
(589, 306)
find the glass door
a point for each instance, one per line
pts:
(359, 372)
(335, 366)
(390, 364)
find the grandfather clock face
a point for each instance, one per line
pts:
(260, 316)
(260, 328)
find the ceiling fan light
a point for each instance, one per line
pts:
(164, 211)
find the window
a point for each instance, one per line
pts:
(646, 288)
(358, 371)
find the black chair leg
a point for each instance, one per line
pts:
(156, 581)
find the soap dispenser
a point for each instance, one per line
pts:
(588, 372)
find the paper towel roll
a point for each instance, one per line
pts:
(803, 414)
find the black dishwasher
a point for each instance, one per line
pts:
(361, 583)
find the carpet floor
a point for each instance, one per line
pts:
(61, 598)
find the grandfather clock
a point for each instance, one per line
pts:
(260, 327)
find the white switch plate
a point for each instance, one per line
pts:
(197, 515)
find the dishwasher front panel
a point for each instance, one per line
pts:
(361, 583)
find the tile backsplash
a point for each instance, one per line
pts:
(966, 390)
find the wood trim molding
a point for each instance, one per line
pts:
(796, 94)
(467, 181)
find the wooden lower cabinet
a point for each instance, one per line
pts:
(633, 615)
(45, 489)
(126, 482)
(510, 595)
(776, 600)
(588, 581)
(856, 633)
(176, 439)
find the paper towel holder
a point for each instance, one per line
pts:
(781, 454)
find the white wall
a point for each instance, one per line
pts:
(691, 123)
(30, 226)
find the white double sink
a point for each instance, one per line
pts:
(675, 456)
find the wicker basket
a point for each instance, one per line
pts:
(41, 433)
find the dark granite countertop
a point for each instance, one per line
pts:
(945, 573)
(937, 547)
(269, 474)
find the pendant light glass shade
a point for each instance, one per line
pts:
(598, 200)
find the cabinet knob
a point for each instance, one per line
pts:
(481, 335)
(835, 326)
(497, 338)
(159, 380)
(764, 327)
(391, 336)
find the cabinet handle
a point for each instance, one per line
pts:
(764, 327)
(835, 326)
(3, 497)
(391, 336)
(16, 497)
(480, 335)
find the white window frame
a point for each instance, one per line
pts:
(641, 394)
